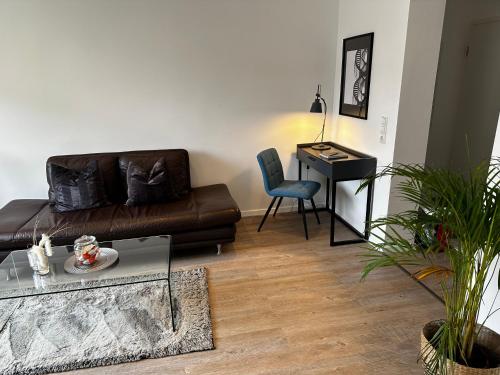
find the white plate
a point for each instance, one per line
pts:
(107, 257)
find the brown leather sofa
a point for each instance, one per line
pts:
(203, 216)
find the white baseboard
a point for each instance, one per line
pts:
(289, 208)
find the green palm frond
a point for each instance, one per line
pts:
(467, 207)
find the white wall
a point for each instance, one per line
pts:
(388, 19)
(402, 87)
(425, 22)
(446, 138)
(221, 78)
(491, 300)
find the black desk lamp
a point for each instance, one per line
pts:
(317, 108)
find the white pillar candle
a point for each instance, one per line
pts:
(43, 261)
(48, 245)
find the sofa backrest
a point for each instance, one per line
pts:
(115, 177)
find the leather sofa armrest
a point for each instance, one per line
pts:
(216, 205)
(15, 214)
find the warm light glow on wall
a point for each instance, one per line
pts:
(298, 127)
(346, 130)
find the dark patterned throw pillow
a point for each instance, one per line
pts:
(148, 186)
(78, 189)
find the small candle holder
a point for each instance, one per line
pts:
(86, 251)
(38, 255)
(38, 260)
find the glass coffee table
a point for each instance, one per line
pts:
(139, 260)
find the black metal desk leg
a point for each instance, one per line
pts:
(332, 214)
(369, 206)
(327, 194)
(300, 178)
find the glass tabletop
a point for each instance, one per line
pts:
(139, 260)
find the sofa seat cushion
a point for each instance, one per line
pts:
(202, 208)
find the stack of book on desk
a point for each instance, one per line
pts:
(333, 155)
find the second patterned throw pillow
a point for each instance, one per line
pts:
(147, 186)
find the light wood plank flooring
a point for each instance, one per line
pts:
(284, 305)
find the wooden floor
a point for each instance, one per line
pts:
(284, 305)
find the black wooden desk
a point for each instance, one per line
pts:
(356, 166)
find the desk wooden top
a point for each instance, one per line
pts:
(316, 153)
(357, 165)
(351, 154)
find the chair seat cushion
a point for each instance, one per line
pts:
(296, 189)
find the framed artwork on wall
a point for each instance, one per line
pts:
(355, 79)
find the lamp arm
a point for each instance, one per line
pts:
(324, 119)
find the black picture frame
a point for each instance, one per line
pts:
(357, 53)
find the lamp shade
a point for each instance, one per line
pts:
(316, 107)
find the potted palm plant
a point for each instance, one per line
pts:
(465, 209)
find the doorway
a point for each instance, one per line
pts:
(479, 106)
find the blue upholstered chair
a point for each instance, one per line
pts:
(277, 187)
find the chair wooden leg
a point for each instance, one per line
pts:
(267, 213)
(277, 206)
(302, 209)
(315, 211)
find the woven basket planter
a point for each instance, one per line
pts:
(487, 339)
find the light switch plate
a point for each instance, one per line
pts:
(383, 129)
